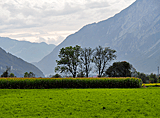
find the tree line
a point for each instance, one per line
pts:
(6, 73)
(79, 62)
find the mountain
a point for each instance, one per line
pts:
(30, 52)
(134, 33)
(18, 66)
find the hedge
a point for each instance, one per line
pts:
(47, 83)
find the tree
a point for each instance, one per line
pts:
(31, 74)
(11, 75)
(143, 77)
(26, 74)
(86, 58)
(69, 60)
(6, 74)
(102, 57)
(120, 69)
(153, 78)
(56, 76)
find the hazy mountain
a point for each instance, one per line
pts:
(134, 33)
(30, 52)
(18, 66)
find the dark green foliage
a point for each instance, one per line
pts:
(143, 77)
(56, 76)
(30, 74)
(69, 60)
(102, 57)
(74, 58)
(120, 69)
(26, 74)
(70, 83)
(11, 75)
(6, 73)
(153, 78)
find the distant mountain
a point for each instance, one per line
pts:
(30, 52)
(18, 66)
(134, 33)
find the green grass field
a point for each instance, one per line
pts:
(80, 103)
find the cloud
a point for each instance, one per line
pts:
(40, 39)
(97, 4)
(55, 41)
(22, 19)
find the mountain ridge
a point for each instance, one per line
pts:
(18, 65)
(132, 32)
(30, 52)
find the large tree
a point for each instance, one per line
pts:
(120, 69)
(86, 59)
(69, 60)
(102, 57)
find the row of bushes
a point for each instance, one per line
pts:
(70, 83)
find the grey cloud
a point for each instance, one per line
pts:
(35, 17)
(53, 41)
(66, 11)
(15, 11)
(22, 35)
(93, 5)
(40, 39)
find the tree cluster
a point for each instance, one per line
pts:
(125, 69)
(6, 73)
(152, 78)
(121, 69)
(77, 60)
(30, 74)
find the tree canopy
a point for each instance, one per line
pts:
(75, 58)
(102, 57)
(69, 60)
(86, 57)
(120, 69)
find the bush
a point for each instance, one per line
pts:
(56, 76)
(47, 83)
(11, 75)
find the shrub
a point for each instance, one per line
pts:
(39, 83)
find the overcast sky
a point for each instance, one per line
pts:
(51, 21)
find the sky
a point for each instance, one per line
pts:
(51, 21)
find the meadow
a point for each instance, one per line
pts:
(80, 103)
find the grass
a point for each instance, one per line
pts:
(80, 103)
